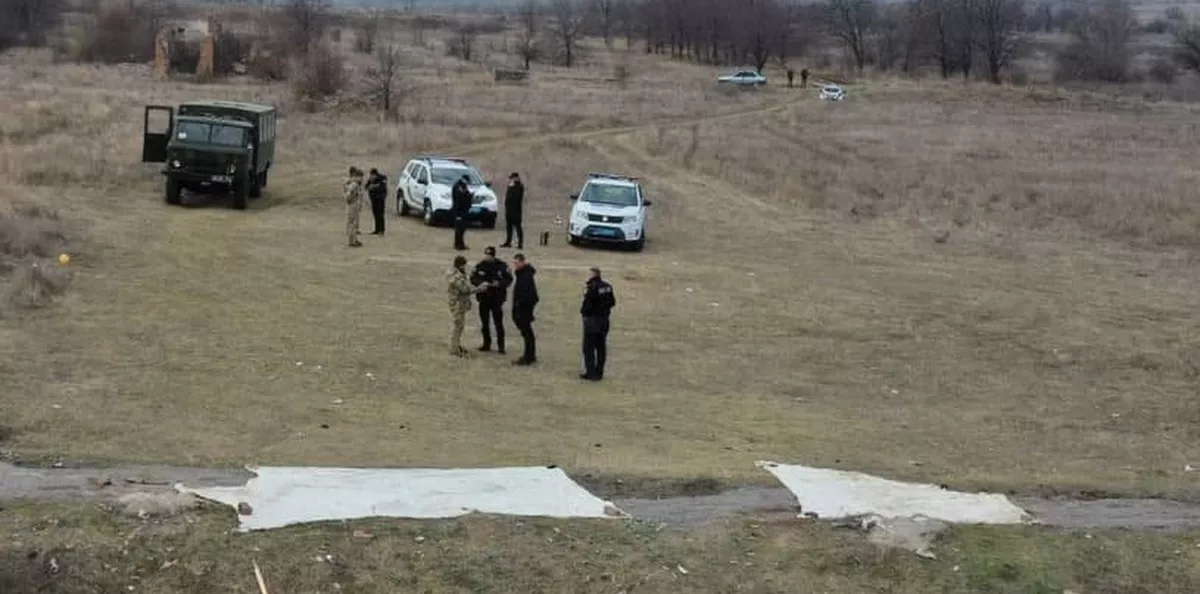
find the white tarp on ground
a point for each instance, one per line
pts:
(282, 496)
(835, 494)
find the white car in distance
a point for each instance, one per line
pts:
(609, 209)
(425, 185)
(743, 78)
(832, 93)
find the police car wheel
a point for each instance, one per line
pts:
(428, 215)
(571, 239)
(637, 245)
(401, 206)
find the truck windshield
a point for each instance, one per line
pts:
(203, 133)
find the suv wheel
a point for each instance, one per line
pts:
(489, 222)
(428, 214)
(402, 209)
(173, 191)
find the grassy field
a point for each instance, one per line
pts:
(77, 549)
(981, 287)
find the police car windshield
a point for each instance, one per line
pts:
(448, 176)
(203, 133)
(610, 194)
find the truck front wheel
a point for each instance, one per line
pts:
(240, 191)
(256, 186)
(173, 191)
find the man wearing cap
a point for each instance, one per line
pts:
(598, 301)
(513, 199)
(458, 293)
(353, 188)
(460, 207)
(524, 299)
(377, 192)
(492, 276)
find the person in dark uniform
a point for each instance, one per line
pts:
(377, 191)
(492, 273)
(460, 207)
(598, 301)
(804, 78)
(525, 297)
(513, 199)
(791, 74)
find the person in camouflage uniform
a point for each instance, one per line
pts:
(458, 295)
(353, 188)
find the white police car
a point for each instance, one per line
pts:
(424, 186)
(609, 209)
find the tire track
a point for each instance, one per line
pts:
(310, 175)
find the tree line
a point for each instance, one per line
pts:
(955, 37)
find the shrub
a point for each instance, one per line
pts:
(28, 22)
(1162, 70)
(322, 74)
(121, 32)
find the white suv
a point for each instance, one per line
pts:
(609, 209)
(425, 183)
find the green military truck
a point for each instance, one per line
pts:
(211, 146)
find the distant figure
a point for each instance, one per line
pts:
(458, 293)
(353, 188)
(513, 199)
(525, 298)
(460, 206)
(791, 74)
(492, 277)
(598, 301)
(377, 191)
(804, 78)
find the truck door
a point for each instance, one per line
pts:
(156, 133)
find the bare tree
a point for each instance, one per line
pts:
(527, 41)
(305, 22)
(1000, 33)
(603, 13)
(384, 79)
(1187, 47)
(368, 32)
(566, 28)
(1100, 48)
(964, 17)
(852, 22)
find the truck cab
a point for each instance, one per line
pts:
(211, 146)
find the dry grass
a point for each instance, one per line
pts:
(1049, 344)
(68, 549)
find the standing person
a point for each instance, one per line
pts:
(804, 78)
(514, 198)
(525, 298)
(377, 191)
(458, 293)
(460, 206)
(791, 74)
(491, 274)
(353, 187)
(598, 301)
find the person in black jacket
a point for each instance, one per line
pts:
(491, 272)
(377, 191)
(525, 298)
(513, 199)
(460, 207)
(598, 301)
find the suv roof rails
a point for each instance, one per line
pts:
(629, 178)
(440, 158)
